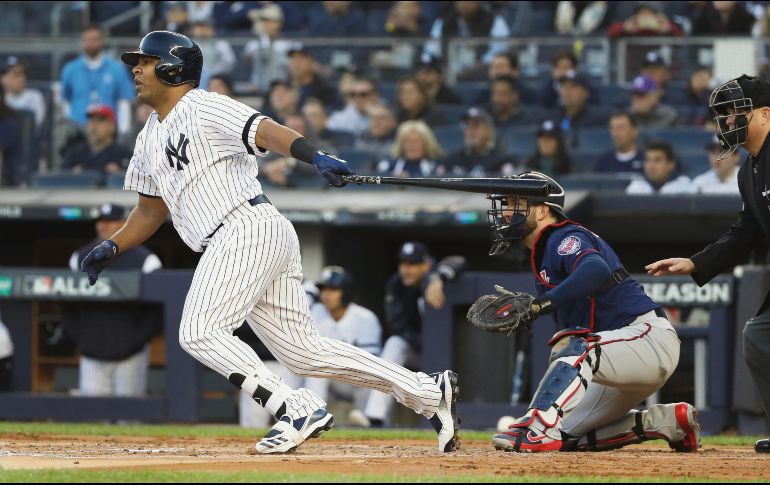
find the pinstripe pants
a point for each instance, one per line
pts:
(252, 270)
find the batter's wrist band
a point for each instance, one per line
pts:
(303, 150)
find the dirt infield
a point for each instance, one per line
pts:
(386, 458)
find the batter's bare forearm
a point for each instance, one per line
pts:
(275, 137)
(148, 215)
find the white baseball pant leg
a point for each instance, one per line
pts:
(281, 319)
(400, 352)
(125, 378)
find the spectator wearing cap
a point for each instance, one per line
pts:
(699, 88)
(722, 178)
(551, 156)
(715, 18)
(627, 155)
(337, 18)
(95, 78)
(419, 280)
(354, 118)
(267, 54)
(563, 62)
(655, 66)
(337, 316)
(661, 173)
(113, 337)
(470, 19)
(283, 100)
(217, 52)
(101, 153)
(482, 153)
(647, 20)
(431, 76)
(414, 103)
(505, 104)
(13, 76)
(574, 111)
(303, 69)
(378, 138)
(10, 143)
(415, 152)
(647, 107)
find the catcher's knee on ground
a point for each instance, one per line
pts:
(572, 365)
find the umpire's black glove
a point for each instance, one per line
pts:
(98, 259)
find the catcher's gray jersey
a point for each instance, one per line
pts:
(201, 159)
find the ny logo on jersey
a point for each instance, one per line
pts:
(179, 152)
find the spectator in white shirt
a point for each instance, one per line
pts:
(13, 75)
(661, 173)
(267, 54)
(354, 118)
(723, 176)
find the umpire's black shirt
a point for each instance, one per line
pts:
(750, 231)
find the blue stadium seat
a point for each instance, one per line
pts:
(358, 160)
(450, 137)
(65, 180)
(594, 140)
(682, 139)
(115, 180)
(583, 161)
(452, 112)
(614, 95)
(519, 140)
(470, 92)
(595, 182)
(694, 163)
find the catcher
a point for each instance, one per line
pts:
(616, 349)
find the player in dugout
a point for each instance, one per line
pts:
(741, 109)
(616, 346)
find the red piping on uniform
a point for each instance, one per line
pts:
(534, 248)
(598, 344)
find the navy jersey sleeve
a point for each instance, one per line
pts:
(570, 248)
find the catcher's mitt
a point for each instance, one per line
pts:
(505, 311)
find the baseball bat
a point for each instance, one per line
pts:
(522, 187)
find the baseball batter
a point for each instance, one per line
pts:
(617, 347)
(196, 157)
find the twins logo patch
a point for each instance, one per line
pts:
(569, 245)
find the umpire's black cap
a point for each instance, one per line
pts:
(180, 59)
(413, 252)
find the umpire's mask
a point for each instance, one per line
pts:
(729, 102)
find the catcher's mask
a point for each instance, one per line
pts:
(730, 101)
(507, 233)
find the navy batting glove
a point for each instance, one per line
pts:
(98, 259)
(331, 168)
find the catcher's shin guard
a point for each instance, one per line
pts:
(561, 389)
(675, 423)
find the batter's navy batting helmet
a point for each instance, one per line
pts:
(181, 60)
(505, 233)
(337, 277)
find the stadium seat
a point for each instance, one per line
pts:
(452, 112)
(519, 140)
(594, 140)
(682, 139)
(115, 180)
(450, 137)
(65, 180)
(470, 92)
(596, 182)
(583, 161)
(694, 163)
(614, 95)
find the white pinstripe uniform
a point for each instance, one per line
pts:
(201, 159)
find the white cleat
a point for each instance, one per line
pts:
(287, 434)
(445, 421)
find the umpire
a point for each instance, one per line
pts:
(113, 337)
(741, 110)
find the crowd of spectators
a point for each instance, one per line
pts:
(424, 126)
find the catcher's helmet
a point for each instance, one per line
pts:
(337, 277)
(736, 99)
(181, 60)
(505, 234)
